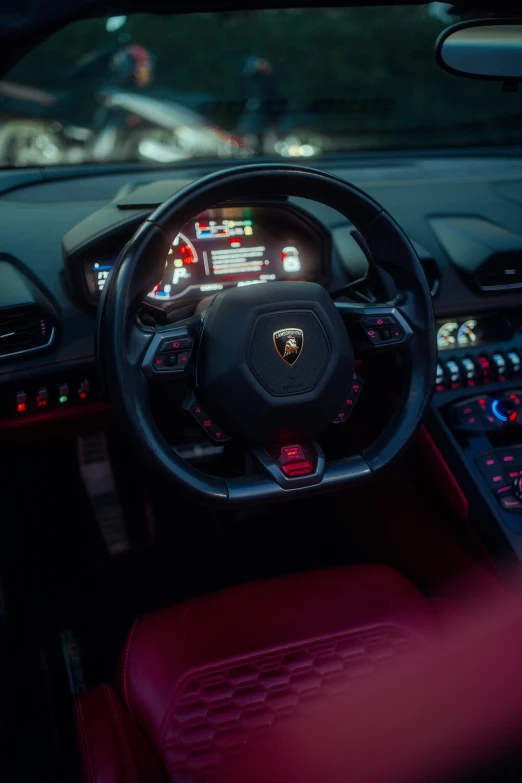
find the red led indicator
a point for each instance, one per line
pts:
(482, 402)
(218, 434)
(349, 402)
(497, 478)
(508, 459)
(513, 475)
(184, 358)
(207, 423)
(490, 462)
(159, 361)
(198, 410)
(83, 395)
(513, 416)
(21, 407)
(175, 345)
(41, 403)
(471, 420)
(467, 411)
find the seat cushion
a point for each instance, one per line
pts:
(202, 678)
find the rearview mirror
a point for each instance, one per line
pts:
(482, 49)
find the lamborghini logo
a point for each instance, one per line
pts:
(289, 344)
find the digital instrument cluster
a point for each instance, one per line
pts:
(230, 246)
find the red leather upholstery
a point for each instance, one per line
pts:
(200, 679)
(112, 748)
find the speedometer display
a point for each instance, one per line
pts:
(238, 246)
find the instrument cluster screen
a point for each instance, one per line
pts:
(466, 333)
(231, 246)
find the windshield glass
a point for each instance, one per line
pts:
(290, 84)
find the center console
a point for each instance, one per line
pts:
(476, 417)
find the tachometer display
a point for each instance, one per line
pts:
(467, 334)
(178, 267)
(447, 335)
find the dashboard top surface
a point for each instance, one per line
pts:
(35, 217)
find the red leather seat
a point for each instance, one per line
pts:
(200, 680)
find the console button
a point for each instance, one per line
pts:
(440, 380)
(493, 471)
(373, 335)
(294, 469)
(21, 402)
(454, 374)
(397, 334)
(84, 389)
(291, 454)
(161, 362)
(499, 363)
(179, 344)
(510, 502)
(510, 459)
(350, 401)
(172, 360)
(513, 360)
(369, 322)
(470, 371)
(207, 423)
(485, 368)
(42, 397)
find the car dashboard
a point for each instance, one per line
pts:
(62, 231)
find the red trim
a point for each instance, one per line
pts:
(57, 415)
(456, 497)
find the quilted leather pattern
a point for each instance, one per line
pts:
(218, 709)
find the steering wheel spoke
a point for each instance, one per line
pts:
(172, 350)
(375, 327)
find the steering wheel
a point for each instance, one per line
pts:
(271, 364)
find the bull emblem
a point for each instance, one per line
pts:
(289, 344)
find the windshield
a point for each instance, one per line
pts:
(285, 83)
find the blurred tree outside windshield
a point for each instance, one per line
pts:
(296, 83)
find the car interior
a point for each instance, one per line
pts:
(260, 383)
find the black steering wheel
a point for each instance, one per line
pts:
(272, 364)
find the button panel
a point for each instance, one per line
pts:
(207, 423)
(455, 373)
(173, 354)
(350, 400)
(383, 329)
(502, 469)
(46, 394)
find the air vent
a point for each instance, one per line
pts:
(23, 329)
(486, 254)
(501, 271)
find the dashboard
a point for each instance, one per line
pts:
(62, 231)
(222, 248)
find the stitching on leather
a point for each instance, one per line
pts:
(126, 690)
(172, 701)
(84, 744)
(127, 753)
